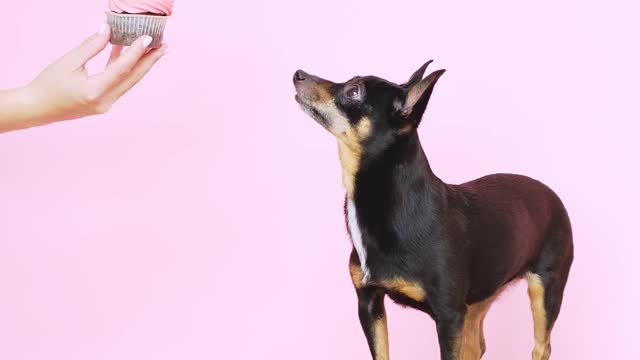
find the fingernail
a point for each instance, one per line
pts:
(102, 29)
(166, 50)
(146, 41)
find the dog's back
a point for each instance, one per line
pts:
(512, 221)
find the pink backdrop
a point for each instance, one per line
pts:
(201, 218)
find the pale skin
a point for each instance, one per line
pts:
(65, 91)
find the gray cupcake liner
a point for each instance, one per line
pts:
(126, 28)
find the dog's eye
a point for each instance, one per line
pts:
(353, 92)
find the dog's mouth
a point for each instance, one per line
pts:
(311, 110)
(305, 95)
(304, 103)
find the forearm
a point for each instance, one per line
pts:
(18, 111)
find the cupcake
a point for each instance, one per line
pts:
(130, 19)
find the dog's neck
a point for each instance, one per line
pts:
(350, 156)
(399, 174)
(402, 168)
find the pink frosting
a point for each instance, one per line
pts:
(164, 7)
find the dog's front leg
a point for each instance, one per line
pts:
(373, 319)
(450, 324)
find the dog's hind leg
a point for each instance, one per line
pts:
(541, 326)
(483, 343)
(547, 278)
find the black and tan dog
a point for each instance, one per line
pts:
(447, 250)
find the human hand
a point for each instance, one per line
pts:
(64, 90)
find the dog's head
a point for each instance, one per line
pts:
(366, 114)
(366, 110)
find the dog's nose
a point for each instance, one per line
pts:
(300, 76)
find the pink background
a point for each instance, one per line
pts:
(201, 218)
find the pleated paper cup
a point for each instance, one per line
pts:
(126, 28)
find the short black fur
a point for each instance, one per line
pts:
(460, 244)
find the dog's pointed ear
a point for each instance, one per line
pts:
(417, 75)
(417, 98)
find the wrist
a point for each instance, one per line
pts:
(18, 110)
(33, 111)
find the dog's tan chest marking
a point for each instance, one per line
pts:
(356, 275)
(408, 288)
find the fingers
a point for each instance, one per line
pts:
(89, 48)
(139, 71)
(119, 69)
(116, 50)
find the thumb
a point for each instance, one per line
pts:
(89, 48)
